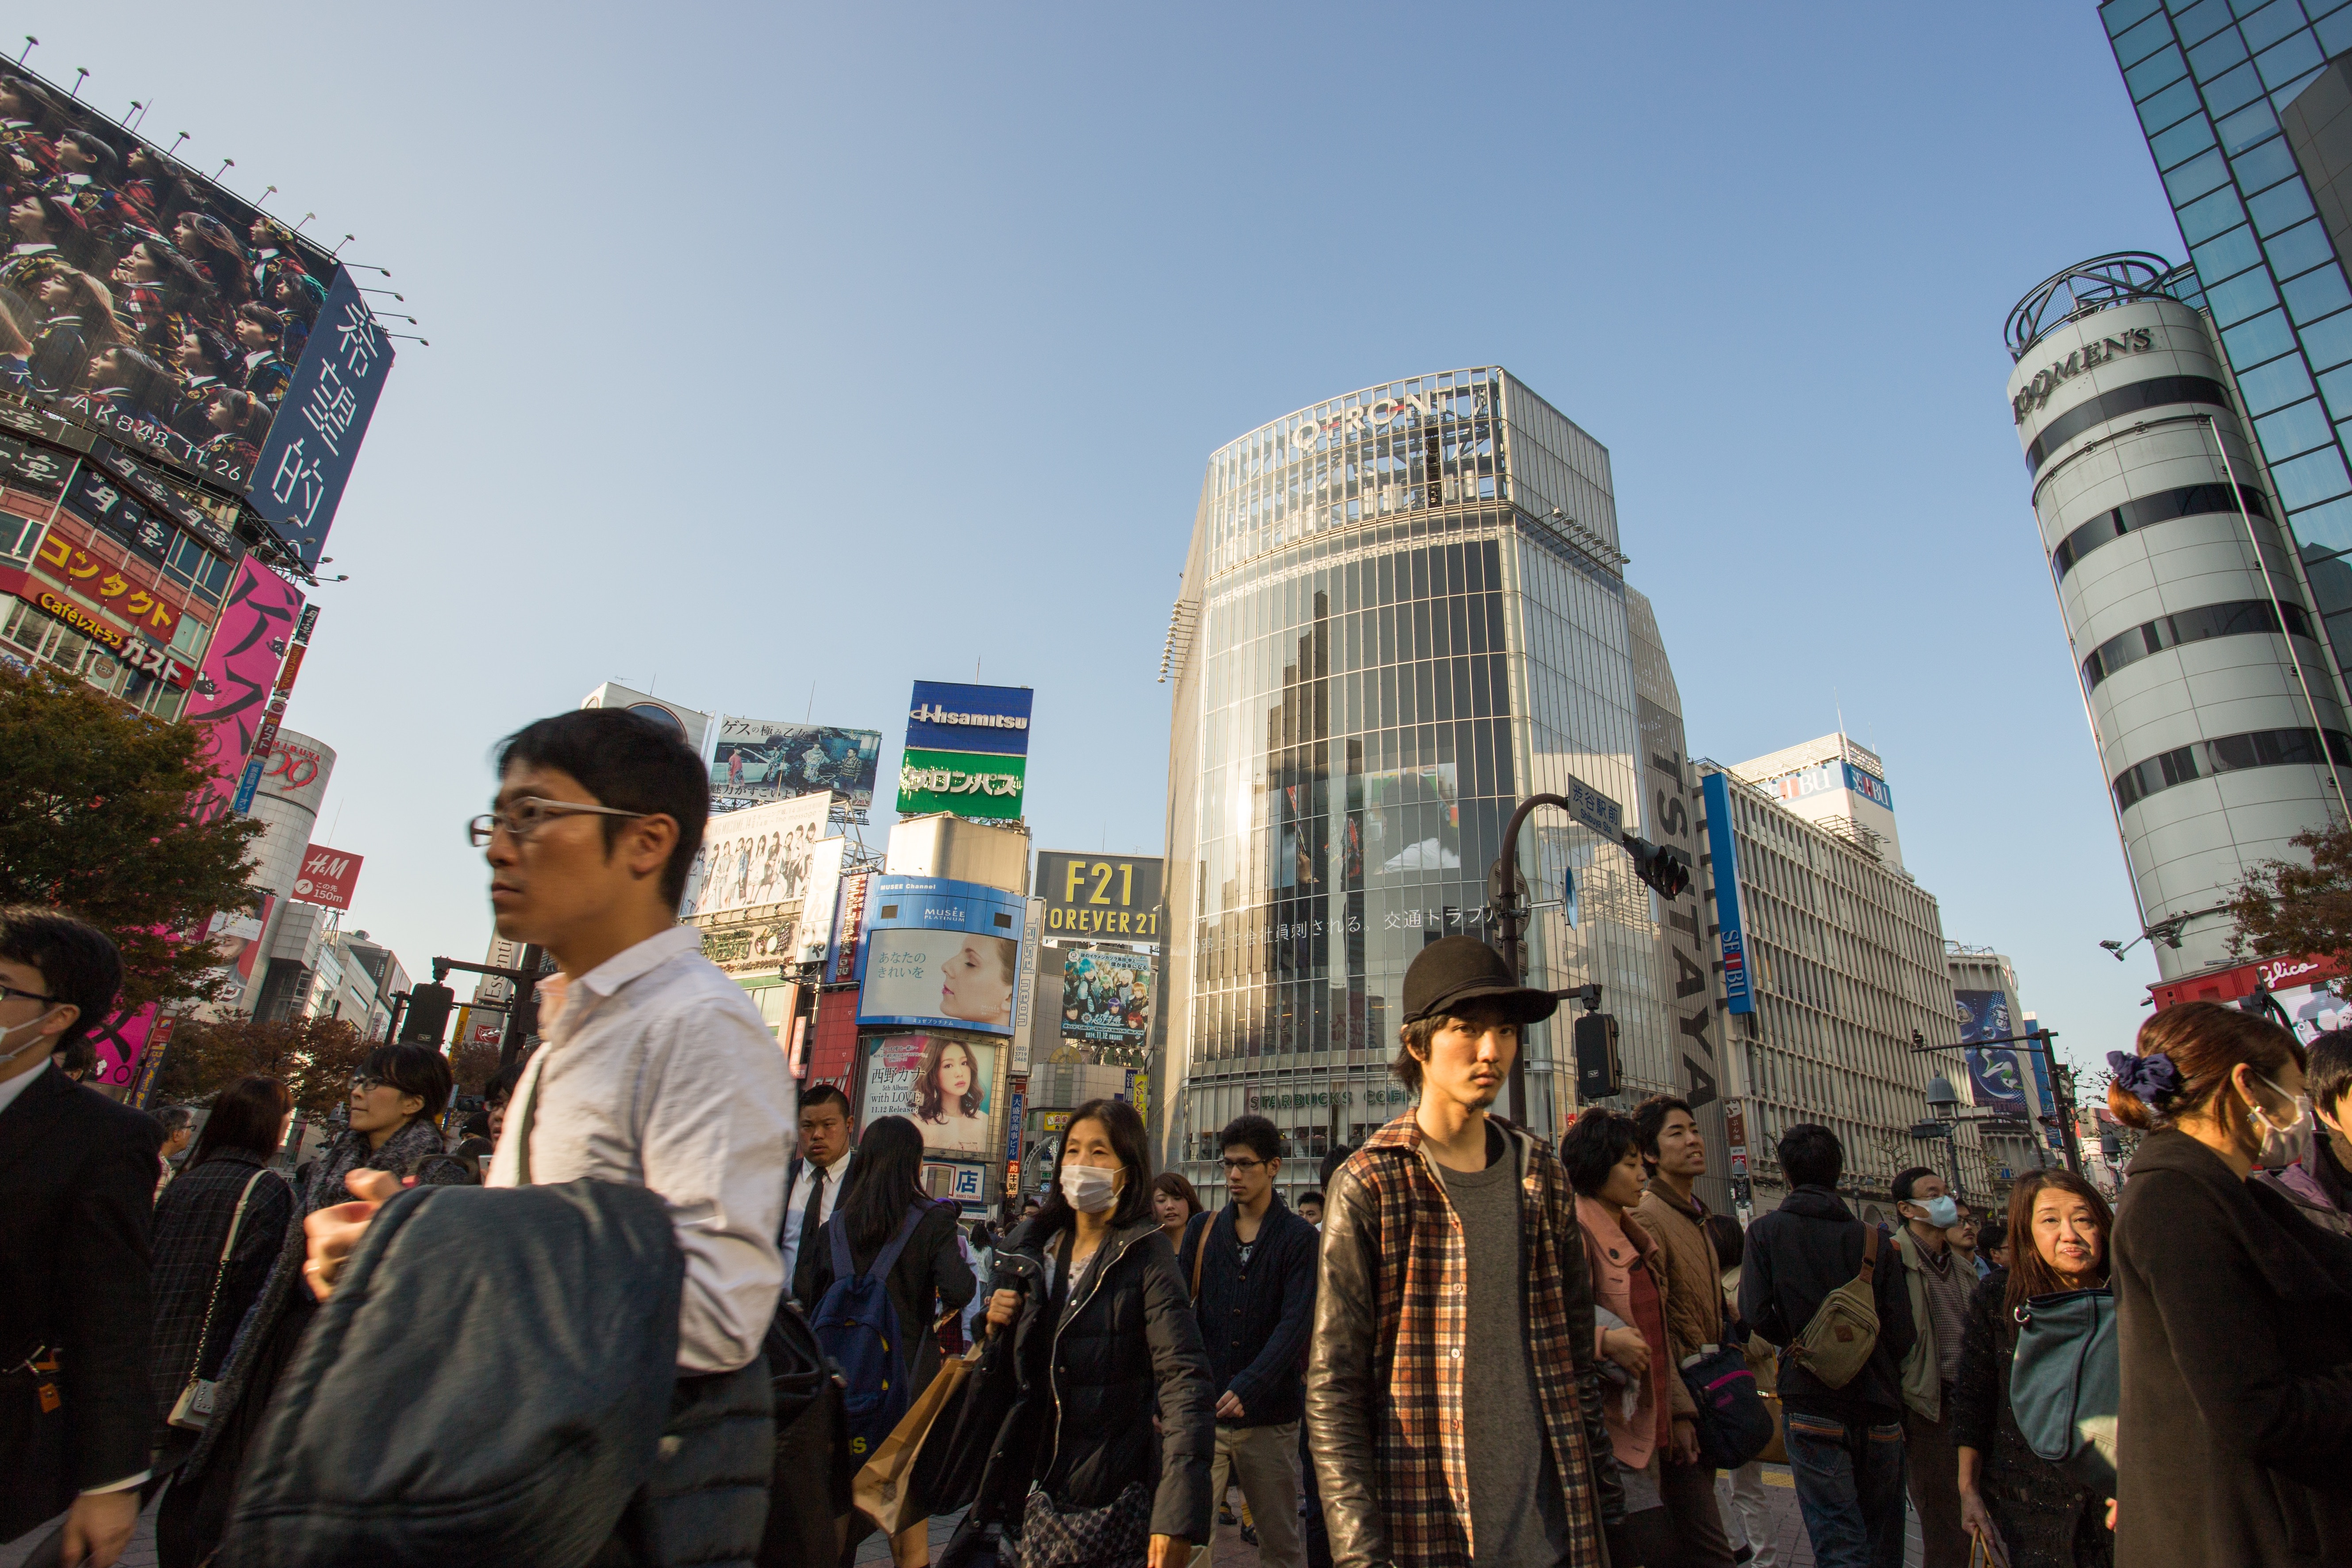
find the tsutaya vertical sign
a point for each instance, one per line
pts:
(1668, 807)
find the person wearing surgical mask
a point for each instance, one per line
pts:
(2233, 1312)
(2319, 1182)
(1102, 1328)
(1938, 1284)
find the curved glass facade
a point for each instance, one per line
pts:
(1390, 651)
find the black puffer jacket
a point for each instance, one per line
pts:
(1088, 1381)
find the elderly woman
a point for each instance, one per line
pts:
(2028, 1512)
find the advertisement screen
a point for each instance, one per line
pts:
(755, 858)
(143, 300)
(232, 689)
(1106, 996)
(1996, 1081)
(940, 1083)
(940, 954)
(1100, 895)
(760, 759)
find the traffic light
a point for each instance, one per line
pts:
(428, 1014)
(1666, 868)
(1599, 1073)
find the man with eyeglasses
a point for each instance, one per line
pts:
(77, 1184)
(656, 1070)
(1251, 1268)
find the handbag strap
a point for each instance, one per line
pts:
(1200, 1251)
(220, 1269)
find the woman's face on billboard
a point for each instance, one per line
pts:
(955, 1072)
(973, 985)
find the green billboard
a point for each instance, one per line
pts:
(969, 783)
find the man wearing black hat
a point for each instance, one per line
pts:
(1452, 1261)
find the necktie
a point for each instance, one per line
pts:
(813, 1217)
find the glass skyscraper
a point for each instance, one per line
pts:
(1404, 609)
(2242, 104)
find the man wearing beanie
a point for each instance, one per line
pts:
(1452, 1261)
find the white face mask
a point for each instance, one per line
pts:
(1090, 1188)
(2284, 1143)
(1943, 1213)
(8, 1035)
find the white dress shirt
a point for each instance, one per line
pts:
(16, 1086)
(659, 1072)
(837, 1175)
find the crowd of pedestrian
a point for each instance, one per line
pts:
(1464, 1346)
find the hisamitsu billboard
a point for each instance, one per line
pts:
(948, 716)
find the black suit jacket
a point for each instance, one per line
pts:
(77, 1198)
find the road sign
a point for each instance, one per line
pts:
(1595, 810)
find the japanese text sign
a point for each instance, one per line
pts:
(306, 460)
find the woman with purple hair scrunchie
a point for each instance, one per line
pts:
(2151, 1079)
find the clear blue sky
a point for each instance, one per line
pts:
(844, 345)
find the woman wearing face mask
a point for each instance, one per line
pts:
(1101, 1329)
(2233, 1313)
(2028, 1512)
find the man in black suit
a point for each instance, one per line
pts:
(77, 1185)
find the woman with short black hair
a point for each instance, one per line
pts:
(228, 1167)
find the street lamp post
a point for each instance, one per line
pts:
(1667, 871)
(2061, 1086)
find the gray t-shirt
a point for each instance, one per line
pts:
(1503, 1431)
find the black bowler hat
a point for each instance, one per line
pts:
(1457, 969)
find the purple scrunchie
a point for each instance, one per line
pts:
(2150, 1080)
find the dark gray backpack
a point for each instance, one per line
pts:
(487, 1384)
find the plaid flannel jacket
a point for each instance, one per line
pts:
(1399, 1270)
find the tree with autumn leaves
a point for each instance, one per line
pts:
(2290, 908)
(95, 821)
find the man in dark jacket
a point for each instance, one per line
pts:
(1254, 1261)
(1846, 1444)
(77, 1198)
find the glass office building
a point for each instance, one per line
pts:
(1403, 609)
(2244, 108)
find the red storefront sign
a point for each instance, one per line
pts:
(2226, 986)
(833, 1041)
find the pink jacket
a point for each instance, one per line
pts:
(1615, 1251)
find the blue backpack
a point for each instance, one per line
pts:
(858, 1328)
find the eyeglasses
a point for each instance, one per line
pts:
(1238, 1167)
(529, 813)
(10, 993)
(364, 1082)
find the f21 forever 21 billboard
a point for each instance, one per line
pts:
(140, 299)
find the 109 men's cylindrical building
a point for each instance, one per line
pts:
(2213, 706)
(1404, 609)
